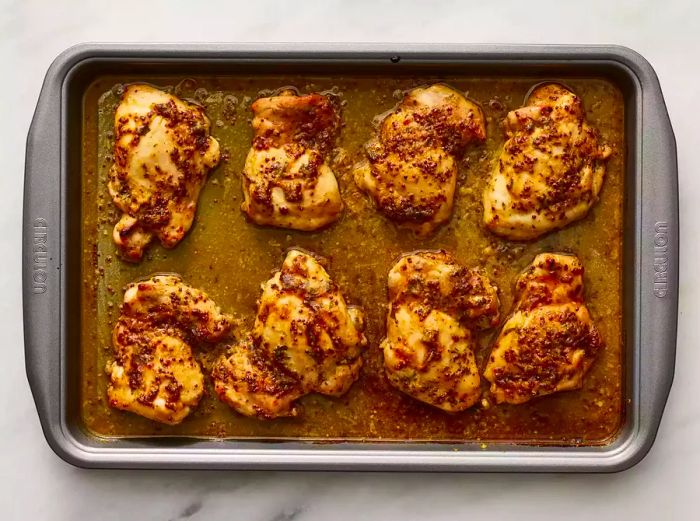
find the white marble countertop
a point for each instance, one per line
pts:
(37, 485)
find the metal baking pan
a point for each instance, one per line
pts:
(51, 259)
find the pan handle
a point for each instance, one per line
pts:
(659, 252)
(41, 258)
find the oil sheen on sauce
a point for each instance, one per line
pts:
(229, 258)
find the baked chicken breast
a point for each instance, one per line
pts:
(550, 341)
(434, 305)
(162, 156)
(287, 178)
(305, 339)
(410, 170)
(154, 372)
(550, 170)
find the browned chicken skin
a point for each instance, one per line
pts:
(305, 339)
(434, 305)
(411, 166)
(162, 156)
(254, 384)
(550, 341)
(154, 372)
(287, 179)
(551, 168)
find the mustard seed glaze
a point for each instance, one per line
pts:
(229, 258)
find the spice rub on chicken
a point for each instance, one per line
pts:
(434, 305)
(410, 170)
(305, 339)
(550, 341)
(162, 156)
(550, 170)
(287, 179)
(154, 372)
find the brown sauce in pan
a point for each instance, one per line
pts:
(229, 259)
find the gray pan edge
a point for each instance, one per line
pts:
(652, 276)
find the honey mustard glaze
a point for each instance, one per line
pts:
(229, 257)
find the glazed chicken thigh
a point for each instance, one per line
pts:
(434, 305)
(410, 169)
(550, 170)
(287, 178)
(305, 339)
(253, 384)
(154, 372)
(549, 342)
(162, 156)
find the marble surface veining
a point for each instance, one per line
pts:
(36, 485)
